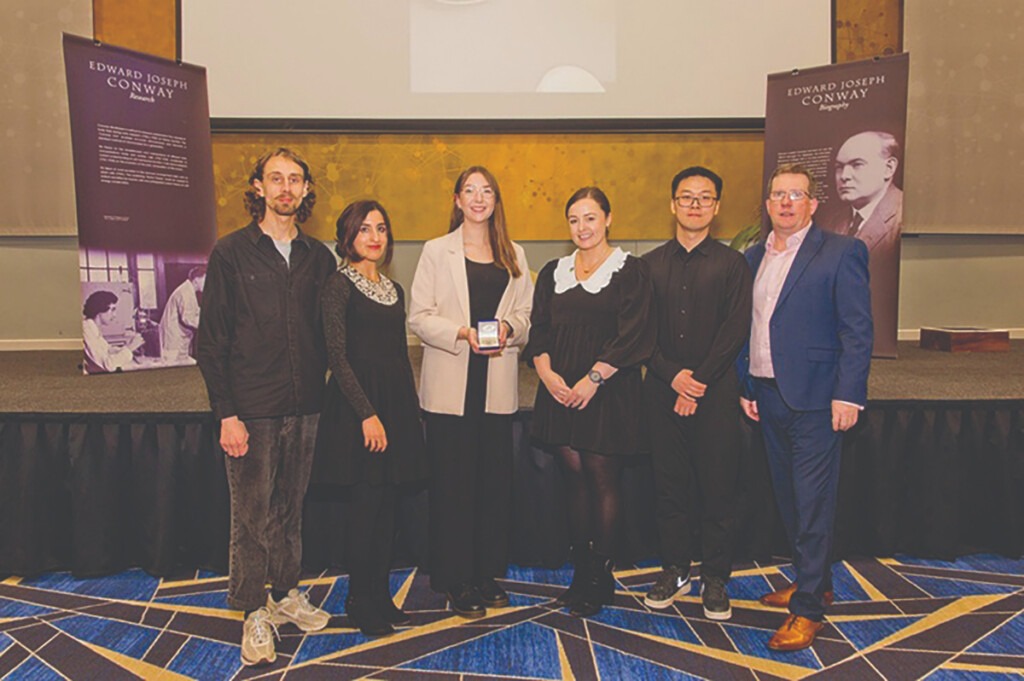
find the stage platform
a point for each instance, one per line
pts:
(100, 473)
(52, 382)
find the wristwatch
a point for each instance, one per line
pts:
(596, 377)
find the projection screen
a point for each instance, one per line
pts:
(500, 59)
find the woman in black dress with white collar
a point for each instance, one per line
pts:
(591, 329)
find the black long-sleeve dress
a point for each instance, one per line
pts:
(368, 355)
(606, 318)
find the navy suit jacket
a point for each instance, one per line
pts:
(821, 330)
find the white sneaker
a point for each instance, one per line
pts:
(258, 634)
(296, 608)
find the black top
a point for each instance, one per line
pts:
(370, 375)
(261, 346)
(372, 338)
(487, 284)
(703, 308)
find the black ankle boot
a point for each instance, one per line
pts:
(391, 613)
(597, 590)
(579, 556)
(362, 614)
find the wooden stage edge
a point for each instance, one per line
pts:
(50, 382)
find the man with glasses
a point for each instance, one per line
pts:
(804, 376)
(702, 294)
(263, 357)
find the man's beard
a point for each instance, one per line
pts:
(285, 209)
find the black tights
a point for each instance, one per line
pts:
(594, 498)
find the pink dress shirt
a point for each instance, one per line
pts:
(767, 287)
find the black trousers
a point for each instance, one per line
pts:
(470, 496)
(369, 535)
(696, 463)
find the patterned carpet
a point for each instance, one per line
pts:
(894, 618)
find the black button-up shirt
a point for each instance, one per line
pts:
(261, 348)
(703, 306)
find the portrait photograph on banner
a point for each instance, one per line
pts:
(847, 125)
(143, 168)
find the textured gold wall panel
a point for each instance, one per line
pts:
(148, 26)
(868, 28)
(413, 176)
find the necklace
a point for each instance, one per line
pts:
(587, 271)
(381, 291)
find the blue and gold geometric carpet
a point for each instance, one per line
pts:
(896, 618)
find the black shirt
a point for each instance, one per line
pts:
(261, 346)
(703, 305)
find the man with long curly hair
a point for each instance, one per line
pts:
(262, 355)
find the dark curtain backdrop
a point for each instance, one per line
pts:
(95, 495)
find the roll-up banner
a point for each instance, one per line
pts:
(140, 137)
(847, 124)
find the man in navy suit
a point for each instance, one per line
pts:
(805, 378)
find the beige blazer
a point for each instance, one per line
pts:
(439, 306)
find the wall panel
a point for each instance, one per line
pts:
(867, 28)
(413, 176)
(143, 25)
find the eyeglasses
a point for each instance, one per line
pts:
(471, 189)
(793, 195)
(703, 200)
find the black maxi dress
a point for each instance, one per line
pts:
(364, 325)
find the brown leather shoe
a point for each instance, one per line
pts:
(796, 633)
(780, 598)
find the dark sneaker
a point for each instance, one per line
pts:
(672, 582)
(492, 595)
(715, 599)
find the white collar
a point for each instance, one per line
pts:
(565, 272)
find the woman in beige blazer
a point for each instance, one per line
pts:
(470, 394)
